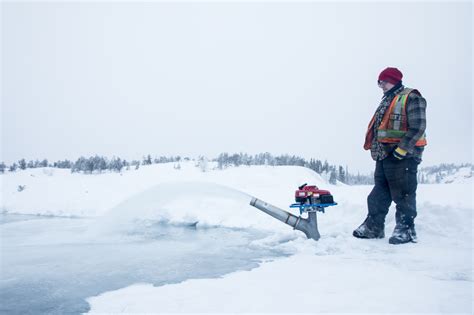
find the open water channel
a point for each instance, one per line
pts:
(50, 265)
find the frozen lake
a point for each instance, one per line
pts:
(52, 264)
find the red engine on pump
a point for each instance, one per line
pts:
(313, 195)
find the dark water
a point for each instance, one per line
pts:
(50, 265)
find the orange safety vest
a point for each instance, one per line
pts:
(394, 123)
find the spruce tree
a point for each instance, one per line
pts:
(13, 167)
(22, 164)
(147, 160)
(333, 177)
(342, 175)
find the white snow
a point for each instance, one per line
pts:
(336, 274)
(464, 175)
(450, 174)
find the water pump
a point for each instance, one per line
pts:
(309, 199)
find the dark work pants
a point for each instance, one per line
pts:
(395, 180)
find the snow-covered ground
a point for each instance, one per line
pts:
(337, 274)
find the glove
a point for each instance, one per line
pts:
(399, 153)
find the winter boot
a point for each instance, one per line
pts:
(370, 228)
(403, 234)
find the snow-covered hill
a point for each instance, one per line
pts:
(336, 274)
(446, 174)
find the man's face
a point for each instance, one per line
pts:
(385, 86)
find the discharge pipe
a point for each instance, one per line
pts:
(308, 226)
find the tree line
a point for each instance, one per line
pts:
(332, 172)
(99, 164)
(89, 165)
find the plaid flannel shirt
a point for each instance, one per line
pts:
(416, 119)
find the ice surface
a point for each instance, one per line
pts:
(51, 265)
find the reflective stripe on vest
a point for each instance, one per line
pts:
(399, 108)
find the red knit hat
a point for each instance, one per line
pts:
(391, 75)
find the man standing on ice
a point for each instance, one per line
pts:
(396, 139)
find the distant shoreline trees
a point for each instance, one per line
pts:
(331, 172)
(99, 164)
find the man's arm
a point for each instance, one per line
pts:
(416, 119)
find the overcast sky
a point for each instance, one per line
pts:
(192, 78)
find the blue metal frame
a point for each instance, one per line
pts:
(318, 206)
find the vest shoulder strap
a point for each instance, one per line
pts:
(407, 91)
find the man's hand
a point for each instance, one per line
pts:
(399, 153)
